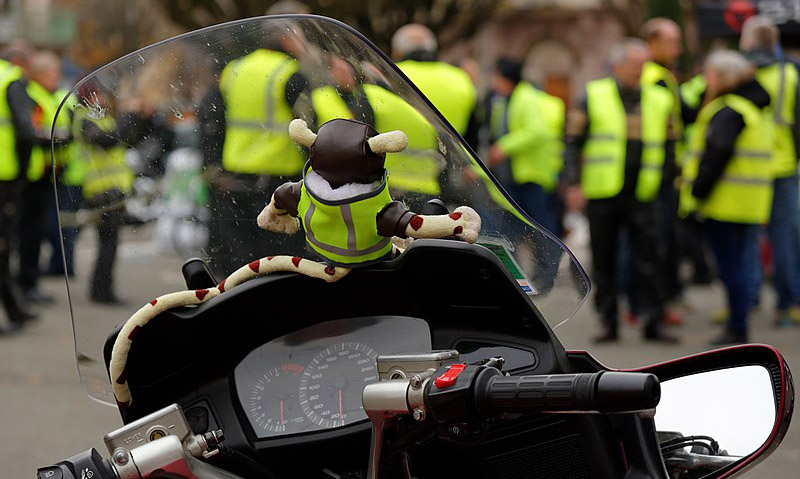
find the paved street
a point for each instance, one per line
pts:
(45, 415)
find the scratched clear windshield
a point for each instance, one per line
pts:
(177, 147)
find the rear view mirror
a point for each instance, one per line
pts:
(715, 418)
(722, 411)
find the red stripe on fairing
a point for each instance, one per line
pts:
(779, 413)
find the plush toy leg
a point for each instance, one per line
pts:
(270, 264)
(278, 221)
(464, 223)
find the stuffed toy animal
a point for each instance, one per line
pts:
(348, 217)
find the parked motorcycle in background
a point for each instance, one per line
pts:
(440, 362)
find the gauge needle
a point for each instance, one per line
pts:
(282, 420)
(341, 418)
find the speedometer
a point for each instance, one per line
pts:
(273, 404)
(332, 384)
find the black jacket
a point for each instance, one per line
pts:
(723, 130)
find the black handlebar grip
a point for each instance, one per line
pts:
(603, 392)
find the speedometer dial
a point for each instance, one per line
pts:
(273, 402)
(331, 385)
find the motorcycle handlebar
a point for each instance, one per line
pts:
(606, 392)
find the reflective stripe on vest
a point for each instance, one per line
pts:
(9, 163)
(345, 232)
(257, 115)
(101, 169)
(744, 192)
(449, 88)
(780, 81)
(603, 171)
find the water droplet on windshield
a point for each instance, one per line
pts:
(177, 113)
(141, 58)
(442, 148)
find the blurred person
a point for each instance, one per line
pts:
(619, 130)
(105, 182)
(12, 174)
(760, 43)
(288, 7)
(448, 87)
(729, 178)
(247, 143)
(693, 96)
(663, 37)
(69, 176)
(39, 99)
(527, 126)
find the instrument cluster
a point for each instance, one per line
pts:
(312, 379)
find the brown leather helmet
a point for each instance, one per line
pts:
(341, 154)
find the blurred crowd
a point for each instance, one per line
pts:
(700, 173)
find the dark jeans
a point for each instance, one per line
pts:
(69, 200)
(9, 211)
(107, 242)
(607, 219)
(733, 247)
(35, 197)
(784, 236)
(539, 204)
(670, 253)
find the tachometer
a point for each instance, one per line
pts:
(332, 383)
(273, 400)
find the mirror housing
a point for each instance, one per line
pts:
(734, 357)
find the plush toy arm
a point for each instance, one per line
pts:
(463, 223)
(279, 216)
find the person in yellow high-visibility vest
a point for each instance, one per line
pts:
(760, 44)
(10, 183)
(257, 96)
(616, 151)
(528, 132)
(663, 37)
(728, 178)
(33, 97)
(449, 88)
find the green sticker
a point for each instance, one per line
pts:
(507, 259)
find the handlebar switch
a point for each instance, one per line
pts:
(451, 395)
(450, 375)
(86, 465)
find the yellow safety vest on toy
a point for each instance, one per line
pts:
(780, 81)
(744, 192)
(9, 163)
(535, 138)
(257, 116)
(102, 169)
(603, 171)
(449, 88)
(417, 168)
(345, 231)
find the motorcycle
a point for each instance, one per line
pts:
(439, 361)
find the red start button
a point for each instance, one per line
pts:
(449, 377)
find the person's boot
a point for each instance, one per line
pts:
(656, 334)
(609, 335)
(729, 337)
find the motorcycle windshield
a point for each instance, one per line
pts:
(176, 148)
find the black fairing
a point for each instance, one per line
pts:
(187, 355)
